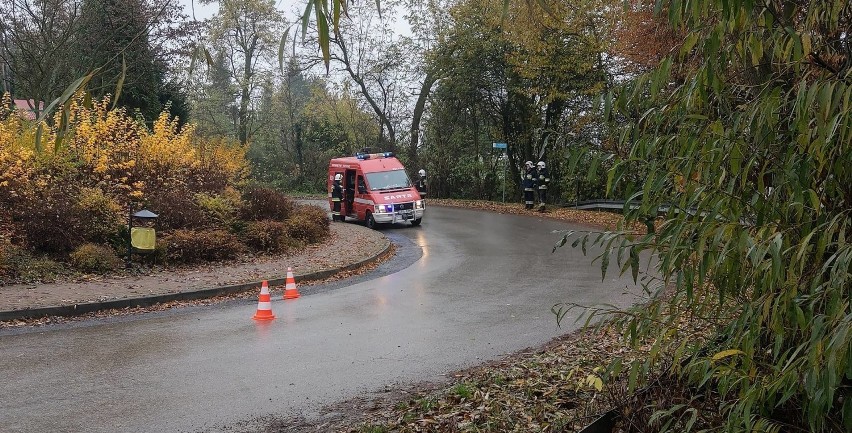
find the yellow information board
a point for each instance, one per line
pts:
(143, 238)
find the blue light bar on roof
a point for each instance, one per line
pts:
(361, 155)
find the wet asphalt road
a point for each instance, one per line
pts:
(466, 287)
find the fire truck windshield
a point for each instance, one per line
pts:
(383, 180)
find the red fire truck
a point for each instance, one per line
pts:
(376, 190)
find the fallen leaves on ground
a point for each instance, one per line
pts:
(543, 390)
(595, 219)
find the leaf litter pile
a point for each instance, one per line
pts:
(593, 219)
(555, 388)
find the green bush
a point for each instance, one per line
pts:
(41, 269)
(94, 258)
(194, 246)
(160, 253)
(265, 204)
(219, 210)
(267, 235)
(309, 224)
(101, 216)
(10, 257)
(17, 265)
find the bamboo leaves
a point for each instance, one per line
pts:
(326, 12)
(322, 25)
(726, 354)
(120, 84)
(755, 176)
(75, 87)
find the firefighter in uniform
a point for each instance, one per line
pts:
(543, 180)
(336, 198)
(529, 185)
(421, 183)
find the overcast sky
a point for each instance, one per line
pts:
(291, 8)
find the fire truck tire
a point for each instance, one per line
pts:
(371, 222)
(341, 218)
(416, 222)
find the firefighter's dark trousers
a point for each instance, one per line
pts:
(529, 198)
(542, 195)
(335, 210)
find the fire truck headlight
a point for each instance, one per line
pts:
(419, 204)
(388, 208)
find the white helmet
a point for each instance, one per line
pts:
(338, 176)
(529, 164)
(422, 173)
(541, 164)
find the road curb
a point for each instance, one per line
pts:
(146, 301)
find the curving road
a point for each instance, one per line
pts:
(466, 287)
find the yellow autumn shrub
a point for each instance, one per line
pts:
(92, 154)
(16, 152)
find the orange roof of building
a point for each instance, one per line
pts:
(23, 107)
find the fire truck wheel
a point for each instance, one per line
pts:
(341, 218)
(371, 222)
(416, 222)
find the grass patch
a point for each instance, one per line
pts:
(462, 391)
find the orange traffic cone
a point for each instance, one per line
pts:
(290, 290)
(264, 304)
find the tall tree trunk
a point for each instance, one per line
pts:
(419, 108)
(242, 127)
(300, 154)
(245, 92)
(552, 114)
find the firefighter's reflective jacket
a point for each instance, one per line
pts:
(336, 192)
(336, 201)
(421, 186)
(529, 180)
(543, 178)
